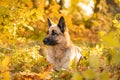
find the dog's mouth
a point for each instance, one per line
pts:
(48, 41)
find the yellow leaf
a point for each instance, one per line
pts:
(104, 75)
(6, 73)
(115, 21)
(110, 40)
(94, 61)
(6, 61)
(77, 76)
(89, 74)
(29, 27)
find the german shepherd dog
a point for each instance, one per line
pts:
(61, 50)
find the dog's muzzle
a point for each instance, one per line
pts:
(48, 41)
(45, 40)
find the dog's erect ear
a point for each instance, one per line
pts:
(49, 22)
(61, 24)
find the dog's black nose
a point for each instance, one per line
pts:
(45, 40)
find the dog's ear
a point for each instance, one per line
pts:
(61, 24)
(49, 23)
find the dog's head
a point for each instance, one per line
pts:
(55, 33)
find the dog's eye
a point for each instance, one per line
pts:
(47, 32)
(54, 33)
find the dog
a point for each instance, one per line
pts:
(61, 50)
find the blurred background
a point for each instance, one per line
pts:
(94, 25)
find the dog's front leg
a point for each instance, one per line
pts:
(65, 63)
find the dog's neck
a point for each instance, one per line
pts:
(68, 43)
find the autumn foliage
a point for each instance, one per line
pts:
(23, 25)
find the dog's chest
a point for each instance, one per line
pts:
(57, 54)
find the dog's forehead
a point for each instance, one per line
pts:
(55, 28)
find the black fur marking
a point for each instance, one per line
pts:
(61, 24)
(48, 41)
(49, 22)
(47, 32)
(54, 32)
